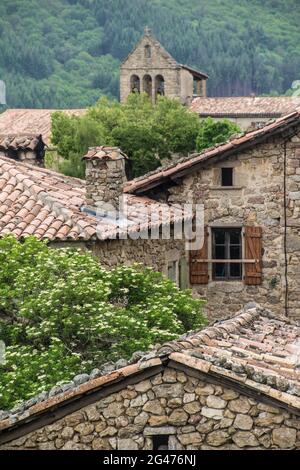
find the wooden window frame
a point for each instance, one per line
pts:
(201, 261)
(227, 261)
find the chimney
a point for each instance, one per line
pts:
(105, 176)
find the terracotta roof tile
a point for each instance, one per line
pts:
(18, 142)
(40, 202)
(31, 122)
(104, 152)
(245, 105)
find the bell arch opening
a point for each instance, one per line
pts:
(135, 84)
(159, 86)
(147, 85)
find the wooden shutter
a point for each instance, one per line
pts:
(183, 274)
(198, 268)
(253, 250)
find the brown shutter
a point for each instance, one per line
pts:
(198, 268)
(253, 250)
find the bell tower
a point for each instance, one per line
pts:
(150, 69)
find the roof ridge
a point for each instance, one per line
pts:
(244, 317)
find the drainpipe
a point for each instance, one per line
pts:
(285, 201)
(286, 294)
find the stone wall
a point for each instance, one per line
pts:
(293, 225)
(257, 199)
(193, 413)
(155, 253)
(187, 87)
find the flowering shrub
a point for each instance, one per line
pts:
(61, 313)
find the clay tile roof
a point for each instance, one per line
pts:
(194, 72)
(31, 122)
(234, 145)
(103, 152)
(19, 142)
(40, 202)
(255, 349)
(268, 106)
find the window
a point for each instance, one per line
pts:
(226, 176)
(148, 51)
(229, 257)
(161, 442)
(227, 245)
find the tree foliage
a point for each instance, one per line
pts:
(147, 133)
(214, 132)
(61, 313)
(66, 53)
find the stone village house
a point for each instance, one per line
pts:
(249, 188)
(234, 385)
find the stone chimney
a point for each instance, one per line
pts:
(105, 176)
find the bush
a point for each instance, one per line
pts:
(215, 132)
(147, 133)
(61, 313)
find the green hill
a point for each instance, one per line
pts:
(66, 53)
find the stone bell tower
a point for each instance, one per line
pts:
(149, 68)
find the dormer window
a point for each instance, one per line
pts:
(148, 51)
(226, 176)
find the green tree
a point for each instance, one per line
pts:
(147, 133)
(214, 132)
(62, 313)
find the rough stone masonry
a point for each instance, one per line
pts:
(195, 414)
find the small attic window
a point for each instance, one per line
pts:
(226, 176)
(148, 51)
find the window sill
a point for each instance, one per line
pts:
(226, 188)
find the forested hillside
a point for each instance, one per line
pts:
(66, 53)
